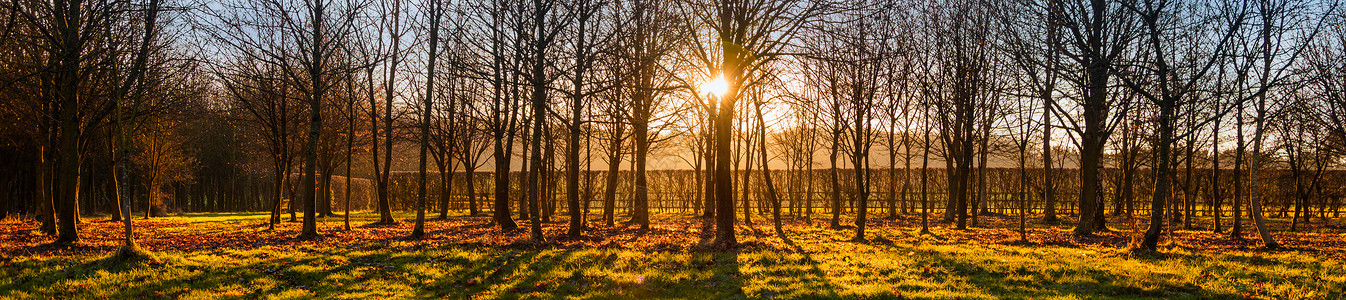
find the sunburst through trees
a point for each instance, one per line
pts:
(1135, 122)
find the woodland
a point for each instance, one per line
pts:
(702, 149)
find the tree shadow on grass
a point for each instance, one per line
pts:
(461, 281)
(516, 273)
(1004, 278)
(801, 278)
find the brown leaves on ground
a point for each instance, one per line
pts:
(668, 233)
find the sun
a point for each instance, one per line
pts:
(716, 87)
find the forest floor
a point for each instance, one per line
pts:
(234, 256)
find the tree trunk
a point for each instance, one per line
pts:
(808, 189)
(709, 155)
(610, 192)
(1048, 188)
(1254, 168)
(642, 199)
(1163, 176)
(836, 184)
(1215, 177)
(1188, 194)
(746, 151)
(892, 171)
(724, 180)
(70, 50)
(532, 192)
(525, 172)
(46, 208)
(501, 211)
(766, 172)
(1236, 231)
(925, 191)
(418, 230)
(1092, 143)
(576, 222)
(860, 162)
(350, 149)
(1023, 190)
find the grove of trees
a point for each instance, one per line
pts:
(534, 111)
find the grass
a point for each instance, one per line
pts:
(465, 259)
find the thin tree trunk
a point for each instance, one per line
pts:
(1215, 177)
(1254, 166)
(1048, 188)
(925, 176)
(1236, 232)
(766, 172)
(836, 184)
(610, 193)
(1163, 176)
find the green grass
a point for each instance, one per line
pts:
(819, 263)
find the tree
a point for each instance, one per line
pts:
(1171, 90)
(1172, 77)
(1307, 151)
(503, 121)
(1277, 46)
(588, 37)
(62, 32)
(454, 130)
(1032, 39)
(614, 134)
(548, 24)
(1021, 37)
(748, 35)
(162, 159)
(267, 104)
(1092, 36)
(435, 12)
(651, 37)
(307, 36)
(1326, 66)
(863, 59)
(122, 176)
(389, 24)
(960, 77)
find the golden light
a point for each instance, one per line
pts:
(715, 87)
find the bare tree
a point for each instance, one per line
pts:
(588, 36)
(1091, 36)
(961, 79)
(310, 34)
(122, 176)
(435, 12)
(648, 40)
(748, 34)
(548, 22)
(1277, 46)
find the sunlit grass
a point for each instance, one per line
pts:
(820, 263)
(971, 272)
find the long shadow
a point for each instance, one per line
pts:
(542, 275)
(537, 272)
(514, 273)
(792, 273)
(197, 277)
(717, 275)
(484, 276)
(997, 281)
(817, 279)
